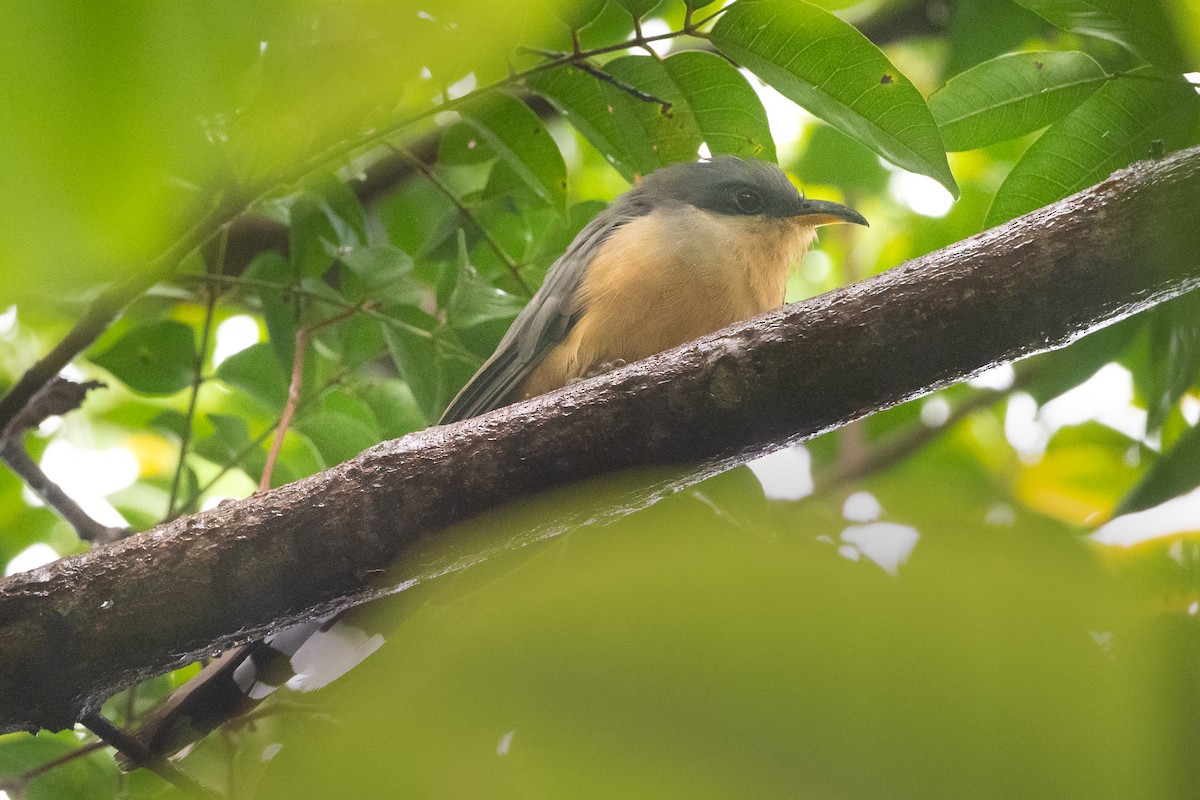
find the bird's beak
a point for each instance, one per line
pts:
(823, 212)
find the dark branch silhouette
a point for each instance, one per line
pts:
(75, 631)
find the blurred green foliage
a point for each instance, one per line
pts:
(929, 619)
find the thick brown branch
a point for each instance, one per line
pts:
(77, 630)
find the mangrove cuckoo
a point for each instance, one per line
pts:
(690, 249)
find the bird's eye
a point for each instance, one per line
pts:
(748, 201)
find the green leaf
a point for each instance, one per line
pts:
(1012, 95)
(603, 114)
(710, 102)
(518, 137)
(1111, 129)
(338, 436)
(395, 408)
(278, 304)
(257, 372)
(158, 358)
(1173, 474)
(578, 13)
(833, 71)
(1141, 27)
(473, 300)
(416, 358)
(379, 266)
(93, 775)
(229, 439)
(309, 236)
(639, 8)
(1174, 355)
(461, 144)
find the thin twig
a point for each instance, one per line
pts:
(420, 166)
(210, 310)
(368, 309)
(59, 396)
(600, 74)
(293, 397)
(908, 441)
(83, 750)
(142, 756)
(262, 437)
(100, 314)
(86, 528)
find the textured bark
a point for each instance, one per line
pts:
(77, 630)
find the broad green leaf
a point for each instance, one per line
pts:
(229, 439)
(1174, 355)
(710, 99)
(381, 267)
(519, 138)
(158, 358)
(833, 71)
(1111, 129)
(395, 409)
(474, 301)
(1141, 26)
(710, 102)
(325, 220)
(338, 436)
(257, 372)
(832, 158)
(310, 236)
(415, 355)
(91, 775)
(982, 29)
(605, 119)
(578, 13)
(1174, 473)
(639, 8)
(279, 307)
(462, 144)
(1012, 95)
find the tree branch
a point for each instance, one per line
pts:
(75, 631)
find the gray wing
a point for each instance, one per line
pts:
(543, 323)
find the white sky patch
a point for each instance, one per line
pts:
(233, 336)
(920, 193)
(785, 474)
(463, 86)
(1189, 407)
(999, 378)
(505, 743)
(1021, 427)
(1177, 515)
(862, 507)
(887, 544)
(88, 476)
(32, 557)
(786, 119)
(8, 322)
(935, 412)
(1194, 79)
(657, 27)
(1106, 397)
(704, 153)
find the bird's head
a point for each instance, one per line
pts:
(741, 187)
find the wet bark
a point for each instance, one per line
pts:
(78, 630)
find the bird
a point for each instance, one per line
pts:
(691, 248)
